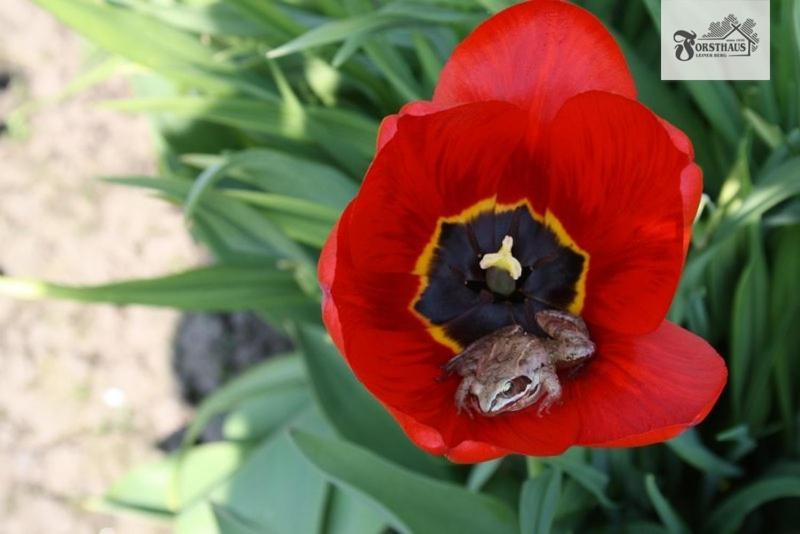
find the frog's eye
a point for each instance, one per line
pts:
(515, 387)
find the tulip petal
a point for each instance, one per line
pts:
(643, 390)
(614, 184)
(434, 166)
(430, 440)
(326, 273)
(536, 55)
(691, 181)
(388, 125)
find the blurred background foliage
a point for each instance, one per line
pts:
(265, 114)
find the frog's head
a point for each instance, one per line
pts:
(507, 394)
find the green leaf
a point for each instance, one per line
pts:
(270, 15)
(348, 514)
(742, 439)
(784, 310)
(229, 522)
(718, 101)
(778, 185)
(351, 409)
(216, 18)
(538, 501)
(257, 417)
(591, 479)
(250, 222)
(275, 376)
(335, 31)
(666, 513)
(481, 473)
(393, 15)
(728, 516)
(197, 519)
(277, 488)
(393, 67)
(428, 59)
(411, 502)
(771, 134)
(692, 451)
(287, 205)
(346, 136)
(494, 6)
(749, 320)
(261, 116)
(166, 486)
(217, 288)
(168, 51)
(285, 175)
(204, 181)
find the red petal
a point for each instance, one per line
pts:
(388, 125)
(434, 166)
(473, 452)
(430, 440)
(536, 55)
(326, 273)
(614, 184)
(646, 389)
(691, 181)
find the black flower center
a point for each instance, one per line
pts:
(465, 301)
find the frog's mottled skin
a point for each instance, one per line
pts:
(509, 369)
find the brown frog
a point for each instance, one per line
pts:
(509, 369)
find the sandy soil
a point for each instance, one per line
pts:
(84, 390)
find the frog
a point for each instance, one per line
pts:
(510, 369)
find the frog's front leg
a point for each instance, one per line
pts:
(552, 389)
(462, 394)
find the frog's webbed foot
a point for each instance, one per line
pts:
(462, 399)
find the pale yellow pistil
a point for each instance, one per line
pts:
(503, 259)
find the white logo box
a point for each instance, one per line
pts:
(715, 40)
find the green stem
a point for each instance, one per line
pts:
(535, 466)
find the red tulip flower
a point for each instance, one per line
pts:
(534, 134)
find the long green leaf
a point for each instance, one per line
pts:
(151, 487)
(665, 511)
(412, 502)
(691, 450)
(394, 15)
(276, 375)
(230, 522)
(590, 478)
(217, 288)
(729, 516)
(282, 174)
(749, 320)
(276, 486)
(166, 50)
(777, 186)
(538, 501)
